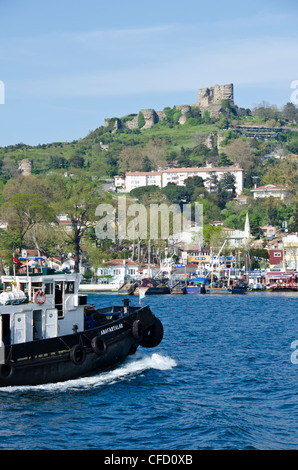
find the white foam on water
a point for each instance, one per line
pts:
(130, 369)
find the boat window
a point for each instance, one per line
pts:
(48, 288)
(6, 334)
(37, 324)
(59, 298)
(69, 287)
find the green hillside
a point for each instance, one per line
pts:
(266, 157)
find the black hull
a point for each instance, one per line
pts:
(81, 354)
(158, 291)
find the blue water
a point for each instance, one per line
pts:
(222, 378)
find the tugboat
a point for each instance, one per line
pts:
(49, 334)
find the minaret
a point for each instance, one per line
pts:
(247, 227)
(247, 241)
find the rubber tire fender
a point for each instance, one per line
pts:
(153, 335)
(6, 370)
(77, 354)
(137, 330)
(98, 345)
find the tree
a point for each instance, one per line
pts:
(147, 165)
(176, 194)
(78, 198)
(194, 185)
(224, 160)
(227, 183)
(290, 112)
(23, 211)
(212, 182)
(141, 120)
(76, 161)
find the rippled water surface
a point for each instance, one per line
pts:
(222, 378)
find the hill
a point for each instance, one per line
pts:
(263, 141)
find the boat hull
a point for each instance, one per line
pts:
(80, 354)
(158, 290)
(195, 289)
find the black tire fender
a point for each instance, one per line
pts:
(137, 330)
(6, 370)
(153, 335)
(77, 354)
(98, 345)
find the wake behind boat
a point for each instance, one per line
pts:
(49, 334)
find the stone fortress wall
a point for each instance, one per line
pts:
(209, 99)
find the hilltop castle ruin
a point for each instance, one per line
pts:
(209, 99)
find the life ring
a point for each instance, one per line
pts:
(98, 345)
(39, 297)
(137, 330)
(77, 354)
(153, 335)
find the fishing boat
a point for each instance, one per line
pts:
(149, 286)
(127, 288)
(179, 288)
(49, 334)
(277, 282)
(196, 286)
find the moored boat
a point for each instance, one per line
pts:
(150, 286)
(179, 288)
(49, 334)
(196, 285)
(127, 288)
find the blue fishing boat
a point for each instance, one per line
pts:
(197, 285)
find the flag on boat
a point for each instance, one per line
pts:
(16, 261)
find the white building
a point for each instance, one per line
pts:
(274, 190)
(120, 269)
(142, 178)
(290, 252)
(178, 176)
(119, 181)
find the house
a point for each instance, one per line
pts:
(121, 269)
(242, 199)
(3, 224)
(276, 260)
(269, 231)
(275, 190)
(216, 223)
(119, 181)
(64, 222)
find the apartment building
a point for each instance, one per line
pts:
(178, 176)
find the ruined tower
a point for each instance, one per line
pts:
(211, 98)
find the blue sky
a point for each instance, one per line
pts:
(67, 64)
